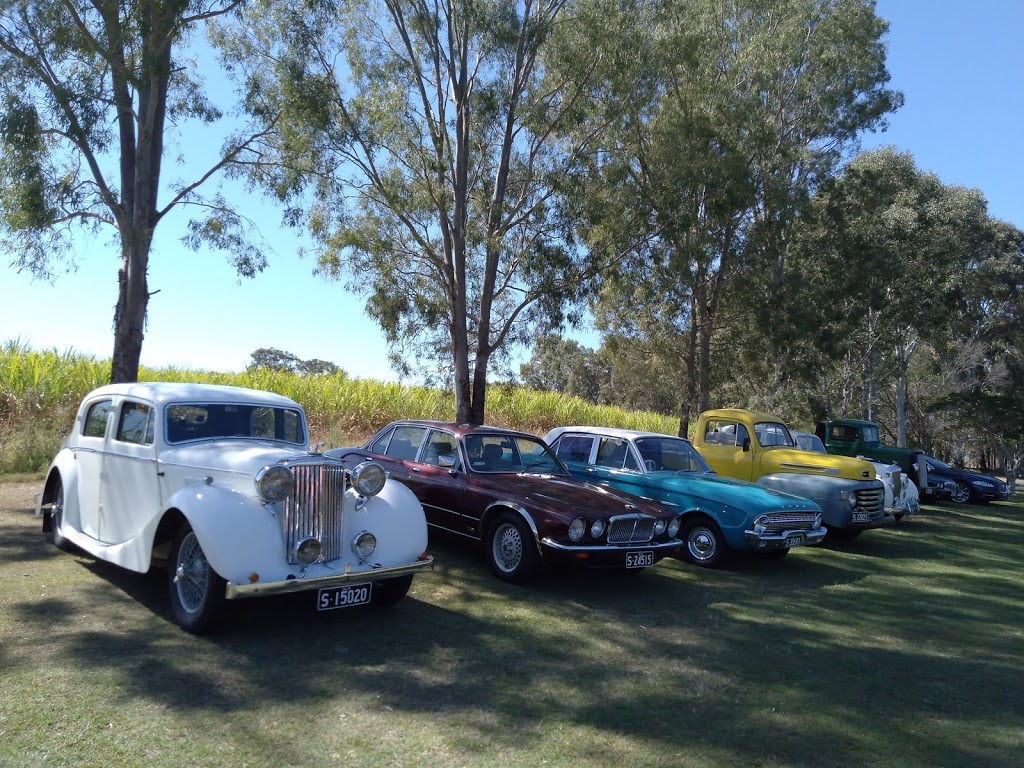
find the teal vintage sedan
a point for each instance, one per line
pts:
(719, 515)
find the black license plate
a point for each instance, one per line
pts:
(345, 596)
(639, 559)
(794, 541)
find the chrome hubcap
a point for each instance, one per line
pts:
(507, 547)
(701, 543)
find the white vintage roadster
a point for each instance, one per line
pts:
(219, 484)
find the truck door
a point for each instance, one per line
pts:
(722, 445)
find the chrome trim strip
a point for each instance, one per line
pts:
(260, 589)
(776, 541)
(636, 545)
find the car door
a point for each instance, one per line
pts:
(435, 478)
(615, 465)
(89, 454)
(131, 492)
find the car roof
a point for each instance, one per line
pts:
(459, 429)
(630, 434)
(741, 413)
(162, 392)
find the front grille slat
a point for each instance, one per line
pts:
(314, 509)
(790, 521)
(630, 529)
(871, 500)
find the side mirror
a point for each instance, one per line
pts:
(746, 445)
(446, 462)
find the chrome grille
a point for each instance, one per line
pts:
(315, 509)
(630, 529)
(871, 500)
(789, 521)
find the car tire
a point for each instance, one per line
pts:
(962, 494)
(390, 591)
(198, 593)
(57, 520)
(703, 543)
(511, 549)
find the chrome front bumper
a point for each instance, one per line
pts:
(264, 588)
(765, 541)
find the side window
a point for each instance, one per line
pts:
(718, 432)
(631, 462)
(840, 432)
(380, 445)
(135, 424)
(405, 442)
(96, 419)
(574, 448)
(611, 453)
(441, 444)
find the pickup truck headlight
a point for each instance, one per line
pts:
(274, 483)
(368, 478)
(853, 501)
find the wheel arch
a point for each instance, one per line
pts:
(496, 508)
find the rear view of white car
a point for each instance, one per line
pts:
(219, 484)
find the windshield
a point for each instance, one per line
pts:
(511, 454)
(805, 441)
(938, 464)
(213, 421)
(773, 433)
(670, 454)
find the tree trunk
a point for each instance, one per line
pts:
(130, 312)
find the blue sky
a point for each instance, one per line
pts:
(959, 63)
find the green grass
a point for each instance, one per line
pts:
(903, 648)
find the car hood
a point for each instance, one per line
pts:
(811, 463)
(964, 474)
(241, 456)
(734, 493)
(567, 496)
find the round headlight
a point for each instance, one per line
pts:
(308, 551)
(577, 528)
(368, 478)
(817, 521)
(853, 501)
(674, 526)
(659, 526)
(274, 483)
(597, 529)
(760, 524)
(364, 544)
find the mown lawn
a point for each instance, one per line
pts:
(902, 648)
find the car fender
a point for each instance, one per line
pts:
(495, 508)
(236, 531)
(63, 469)
(395, 517)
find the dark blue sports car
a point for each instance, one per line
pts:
(971, 487)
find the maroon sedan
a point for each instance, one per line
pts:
(509, 491)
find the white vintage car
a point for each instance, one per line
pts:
(219, 484)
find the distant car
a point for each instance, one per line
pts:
(968, 487)
(507, 490)
(901, 494)
(219, 484)
(719, 515)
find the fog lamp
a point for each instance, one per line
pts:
(308, 551)
(364, 544)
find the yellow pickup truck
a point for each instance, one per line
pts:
(748, 445)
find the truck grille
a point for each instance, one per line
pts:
(314, 509)
(871, 500)
(630, 529)
(789, 521)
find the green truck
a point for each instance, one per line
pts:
(859, 438)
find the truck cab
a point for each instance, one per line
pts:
(859, 438)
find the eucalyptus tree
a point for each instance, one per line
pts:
(417, 148)
(744, 108)
(88, 94)
(895, 251)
